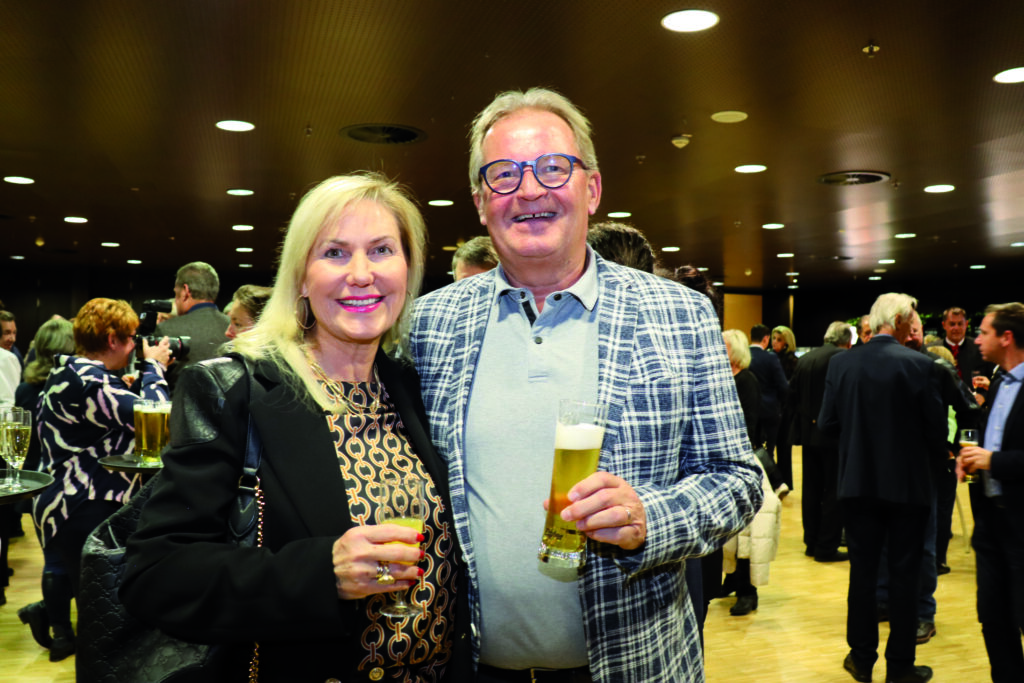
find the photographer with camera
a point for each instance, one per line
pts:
(199, 322)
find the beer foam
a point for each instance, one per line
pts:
(580, 437)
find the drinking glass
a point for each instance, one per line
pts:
(17, 430)
(578, 436)
(969, 437)
(401, 500)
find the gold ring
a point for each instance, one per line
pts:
(384, 577)
(629, 515)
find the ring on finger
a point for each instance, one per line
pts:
(629, 515)
(384, 577)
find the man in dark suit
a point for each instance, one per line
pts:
(195, 290)
(998, 499)
(766, 367)
(882, 401)
(822, 524)
(968, 360)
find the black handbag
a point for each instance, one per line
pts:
(115, 647)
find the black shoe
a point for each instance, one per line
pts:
(837, 556)
(745, 604)
(925, 631)
(63, 643)
(942, 568)
(916, 674)
(858, 673)
(35, 616)
(809, 553)
(728, 586)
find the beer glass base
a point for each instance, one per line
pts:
(562, 558)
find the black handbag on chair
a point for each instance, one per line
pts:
(115, 647)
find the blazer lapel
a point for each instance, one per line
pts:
(294, 438)
(617, 321)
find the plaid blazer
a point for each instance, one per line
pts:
(675, 432)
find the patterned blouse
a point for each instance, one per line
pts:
(86, 413)
(369, 440)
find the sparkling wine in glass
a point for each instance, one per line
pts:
(402, 501)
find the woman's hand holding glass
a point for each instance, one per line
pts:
(360, 551)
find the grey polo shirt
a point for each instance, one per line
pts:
(531, 614)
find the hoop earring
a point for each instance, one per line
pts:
(304, 316)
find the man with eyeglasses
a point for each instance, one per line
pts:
(554, 320)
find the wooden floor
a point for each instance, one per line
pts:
(797, 635)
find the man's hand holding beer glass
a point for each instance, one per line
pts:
(607, 509)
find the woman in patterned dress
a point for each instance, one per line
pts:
(87, 413)
(335, 412)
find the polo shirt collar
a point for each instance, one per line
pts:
(584, 289)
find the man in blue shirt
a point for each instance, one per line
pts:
(998, 499)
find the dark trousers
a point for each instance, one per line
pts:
(927, 579)
(784, 448)
(823, 525)
(768, 433)
(869, 523)
(945, 488)
(999, 548)
(73, 531)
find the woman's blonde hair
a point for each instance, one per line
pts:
(788, 335)
(278, 335)
(739, 348)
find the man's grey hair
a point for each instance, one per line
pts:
(478, 252)
(888, 307)
(201, 279)
(838, 333)
(508, 103)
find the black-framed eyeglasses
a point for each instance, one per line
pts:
(504, 176)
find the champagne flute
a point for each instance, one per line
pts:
(17, 428)
(969, 437)
(402, 501)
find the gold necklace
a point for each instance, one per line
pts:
(339, 393)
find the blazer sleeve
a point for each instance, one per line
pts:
(184, 576)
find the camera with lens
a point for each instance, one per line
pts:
(147, 326)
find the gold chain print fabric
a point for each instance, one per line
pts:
(413, 649)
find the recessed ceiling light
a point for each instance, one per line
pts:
(773, 226)
(703, 270)
(751, 168)
(1010, 76)
(239, 192)
(887, 261)
(785, 254)
(18, 180)
(670, 248)
(875, 277)
(905, 235)
(17, 257)
(110, 244)
(242, 228)
(440, 202)
(134, 261)
(243, 250)
(729, 116)
(718, 284)
(245, 265)
(75, 219)
(689, 20)
(938, 189)
(794, 274)
(448, 247)
(1017, 244)
(619, 214)
(235, 126)
(978, 267)
(794, 286)
(881, 270)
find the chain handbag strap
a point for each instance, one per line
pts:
(254, 665)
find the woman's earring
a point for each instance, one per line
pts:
(304, 313)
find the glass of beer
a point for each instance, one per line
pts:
(401, 500)
(578, 436)
(969, 437)
(151, 430)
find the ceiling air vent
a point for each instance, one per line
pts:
(383, 134)
(854, 178)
